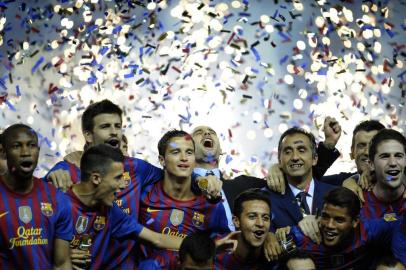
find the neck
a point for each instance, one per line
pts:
(300, 182)
(85, 193)
(207, 163)
(385, 194)
(246, 252)
(178, 187)
(18, 184)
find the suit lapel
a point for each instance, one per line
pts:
(291, 206)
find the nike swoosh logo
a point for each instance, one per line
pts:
(3, 214)
(150, 210)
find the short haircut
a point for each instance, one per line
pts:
(345, 198)
(250, 195)
(384, 135)
(367, 126)
(98, 159)
(104, 106)
(6, 133)
(297, 130)
(298, 255)
(199, 246)
(389, 261)
(164, 141)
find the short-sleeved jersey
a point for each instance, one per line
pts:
(163, 214)
(399, 241)
(29, 225)
(227, 260)
(374, 208)
(356, 255)
(137, 174)
(94, 227)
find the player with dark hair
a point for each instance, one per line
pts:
(299, 261)
(389, 263)
(345, 242)
(170, 206)
(252, 216)
(98, 218)
(197, 251)
(102, 124)
(387, 155)
(35, 221)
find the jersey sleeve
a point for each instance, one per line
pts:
(147, 173)
(123, 224)
(64, 222)
(74, 171)
(379, 231)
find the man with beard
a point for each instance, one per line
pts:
(345, 242)
(252, 216)
(35, 221)
(361, 137)
(208, 151)
(170, 206)
(102, 124)
(97, 218)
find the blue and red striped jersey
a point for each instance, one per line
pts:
(29, 225)
(227, 260)
(357, 254)
(374, 208)
(399, 241)
(161, 213)
(95, 226)
(137, 174)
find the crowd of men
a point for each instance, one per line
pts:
(102, 209)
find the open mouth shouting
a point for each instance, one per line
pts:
(259, 234)
(114, 142)
(27, 166)
(392, 174)
(208, 143)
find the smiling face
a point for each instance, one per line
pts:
(207, 144)
(336, 225)
(107, 129)
(22, 153)
(109, 184)
(296, 157)
(179, 159)
(359, 149)
(389, 164)
(254, 222)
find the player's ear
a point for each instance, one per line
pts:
(355, 222)
(236, 222)
(162, 160)
(88, 136)
(95, 177)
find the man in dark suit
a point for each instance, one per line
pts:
(208, 151)
(304, 195)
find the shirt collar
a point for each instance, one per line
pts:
(296, 191)
(203, 172)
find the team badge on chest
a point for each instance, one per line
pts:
(198, 219)
(46, 209)
(99, 223)
(126, 179)
(176, 217)
(81, 224)
(25, 214)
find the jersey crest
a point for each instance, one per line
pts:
(25, 214)
(198, 219)
(99, 223)
(176, 217)
(46, 209)
(126, 179)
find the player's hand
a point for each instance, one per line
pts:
(210, 185)
(81, 259)
(282, 232)
(60, 179)
(228, 243)
(352, 185)
(275, 179)
(332, 132)
(310, 227)
(272, 248)
(365, 180)
(74, 158)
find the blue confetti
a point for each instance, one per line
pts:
(10, 105)
(228, 159)
(37, 64)
(18, 92)
(283, 59)
(257, 56)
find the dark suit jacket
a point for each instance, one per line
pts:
(336, 179)
(286, 211)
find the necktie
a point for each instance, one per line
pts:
(301, 199)
(209, 172)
